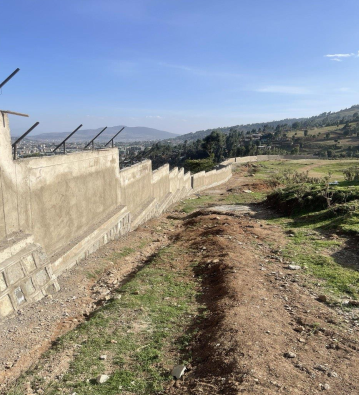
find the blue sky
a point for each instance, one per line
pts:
(176, 65)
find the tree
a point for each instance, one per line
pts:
(213, 144)
(305, 133)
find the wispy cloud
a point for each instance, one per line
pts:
(285, 89)
(338, 57)
(201, 72)
(154, 116)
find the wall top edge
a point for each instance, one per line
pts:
(66, 157)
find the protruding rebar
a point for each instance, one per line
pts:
(14, 145)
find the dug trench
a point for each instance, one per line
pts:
(211, 290)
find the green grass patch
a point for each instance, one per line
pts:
(245, 198)
(267, 169)
(311, 251)
(335, 168)
(143, 335)
(193, 204)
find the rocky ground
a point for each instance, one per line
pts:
(265, 332)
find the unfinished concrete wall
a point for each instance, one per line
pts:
(56, 198)
(246, 159)
(70, 205)
(203, 180)
(69, 193)
(161, 182)
(216, 177)
(198, 181)
(136, 185)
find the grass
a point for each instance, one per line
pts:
(316, 167)
(311, 246)
(308, 249)
(245, 198)
(143, 335)
(193, 204)
(335, 168)
(269, 168)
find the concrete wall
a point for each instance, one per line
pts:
(136, 185)
(70, 205)
(67, 194)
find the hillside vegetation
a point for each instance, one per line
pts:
(324, 119)
(330, 135)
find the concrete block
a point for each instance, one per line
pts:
(52, 288)
(28, 287)
(29, 263)
(41, 277)
(15, 273)
(6, 306)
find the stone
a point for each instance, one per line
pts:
(326, 386)
(103, 357)
(322, 298)
(333, 374)
(293, 267)
(177, 371)
(299, 329)
(290, 354)
(321, 368)
(102, 378)
(19, 296)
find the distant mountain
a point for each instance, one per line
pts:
(129, 134)
(318, 120)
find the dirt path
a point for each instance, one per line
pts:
(265, 332)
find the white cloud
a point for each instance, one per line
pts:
(338, 57)
(154, 116)
(285, 89)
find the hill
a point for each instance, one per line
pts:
(315, 121)
(138, 133)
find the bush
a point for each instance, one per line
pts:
(351, 174)
(197, 165)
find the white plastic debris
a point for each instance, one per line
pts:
(177, 371)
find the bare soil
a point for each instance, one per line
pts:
(265, 331)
